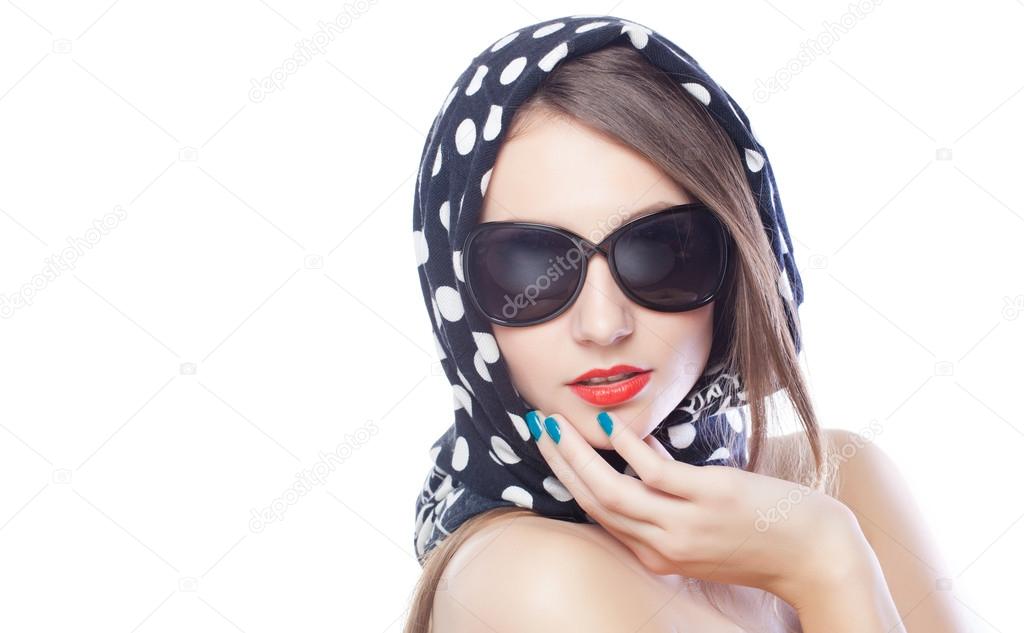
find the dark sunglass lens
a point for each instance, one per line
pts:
(675, 261)
(520, 274)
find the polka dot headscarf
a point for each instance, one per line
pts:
(487, 458)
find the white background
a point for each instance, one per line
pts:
(257, 305)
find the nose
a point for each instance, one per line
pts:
(602, 314)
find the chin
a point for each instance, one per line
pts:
(638, 413)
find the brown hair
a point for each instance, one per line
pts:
(617, 91)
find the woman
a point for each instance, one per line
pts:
(609, 274)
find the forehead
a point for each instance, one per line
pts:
(565, 173)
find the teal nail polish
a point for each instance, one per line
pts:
(551, 425)
(532, 422)
(605, 421)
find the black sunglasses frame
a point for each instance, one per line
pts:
(606, 247)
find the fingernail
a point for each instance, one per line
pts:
(605, 421)
(551, 425)
(532, 422)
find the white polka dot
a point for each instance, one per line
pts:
(460, 454)
(681, 435)
(720, 453)
(481, 367)
(590, 26)
(503, 450)
(732, 416)
(433, 453)
(452, 498)
(445, 487)
(503, 41)
(698, 91)
(465, 136)
(494, 458)
(754, 160)
(478, 79)
(462, 399)
(547, 30)
(457, 264)
(437, 162)
(426, 530)
(512, 70)
(548, 61)
(445, 213)
(484, 181)
(518, 496)
(487, 345)
(449, 303)
(785, 288)
(637, 34)
(493, 124)
(437, 313)
(442, 508)
(422, 251)
(520, 425)
(556, 489)
(448, 101)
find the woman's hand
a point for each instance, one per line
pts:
(718, 523)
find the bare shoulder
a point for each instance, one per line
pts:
(867, 478)
(871, 484)
(529, 572)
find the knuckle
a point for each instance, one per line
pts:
(672, 550)
(657, 475)
(586, 504)
(727, 484)
(612, 500)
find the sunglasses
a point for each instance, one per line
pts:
(525, 273)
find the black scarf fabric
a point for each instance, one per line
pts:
(487, 458)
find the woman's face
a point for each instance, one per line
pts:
(566, 174)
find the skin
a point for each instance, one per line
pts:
(861, 562)
(567, 175)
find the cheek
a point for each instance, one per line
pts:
(686, 334)
(526, 351)
(679, 344)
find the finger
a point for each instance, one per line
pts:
(636, 535)
(565, 475)
(617, 493)
(578, 487)
(669, 475)
(658, 447)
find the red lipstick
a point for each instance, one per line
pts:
(628, 381)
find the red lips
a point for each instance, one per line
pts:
(612, 393)
(604, 373)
